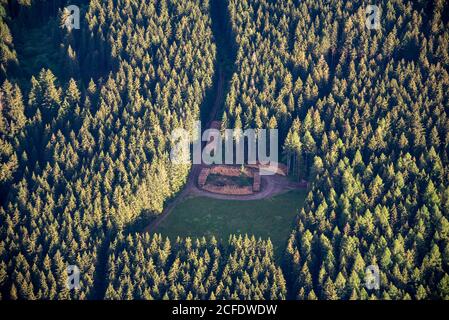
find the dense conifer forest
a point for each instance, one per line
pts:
(87, 157)
(85, 119)
(146, 267)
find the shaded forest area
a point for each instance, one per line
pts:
(84, 161)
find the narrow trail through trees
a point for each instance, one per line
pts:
(224, 69)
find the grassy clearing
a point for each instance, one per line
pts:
(220, 180)
(268, 218)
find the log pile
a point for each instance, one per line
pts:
(203, 177)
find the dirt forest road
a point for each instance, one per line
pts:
(190, 186)
(271, 185)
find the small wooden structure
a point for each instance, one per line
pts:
(203, 177)
(256, 182)
(274, 168)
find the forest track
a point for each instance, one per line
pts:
(270, 185)
(190, 185)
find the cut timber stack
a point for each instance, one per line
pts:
(203, 177)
